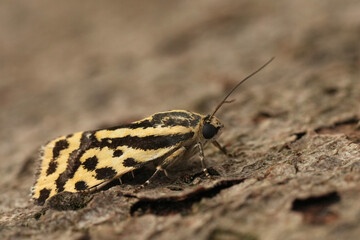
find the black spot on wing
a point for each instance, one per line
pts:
(69, 135)
(90, 163)
(164, 119)
(52, 168)
(117, 153)
(146, 142)
(81, 185)
(105, 173)
(73, 162)
(130, 162)
(44, 194)
(171, 119)
(140, 124)
(59, 146)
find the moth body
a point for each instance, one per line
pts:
(84, 160)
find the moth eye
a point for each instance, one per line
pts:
(209, 131)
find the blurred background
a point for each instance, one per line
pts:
(80, 65)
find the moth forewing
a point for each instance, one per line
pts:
(85, 160)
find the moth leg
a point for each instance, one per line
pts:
(166, 163)
(202, 157)
(158, 169)
(132, 173)
(98, 187)
(101, 185)
(221, 148)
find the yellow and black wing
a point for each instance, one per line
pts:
(83, 160)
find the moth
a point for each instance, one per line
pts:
(86, 161)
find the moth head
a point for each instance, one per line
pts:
(211, 128)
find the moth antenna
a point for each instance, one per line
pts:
(237, 85)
